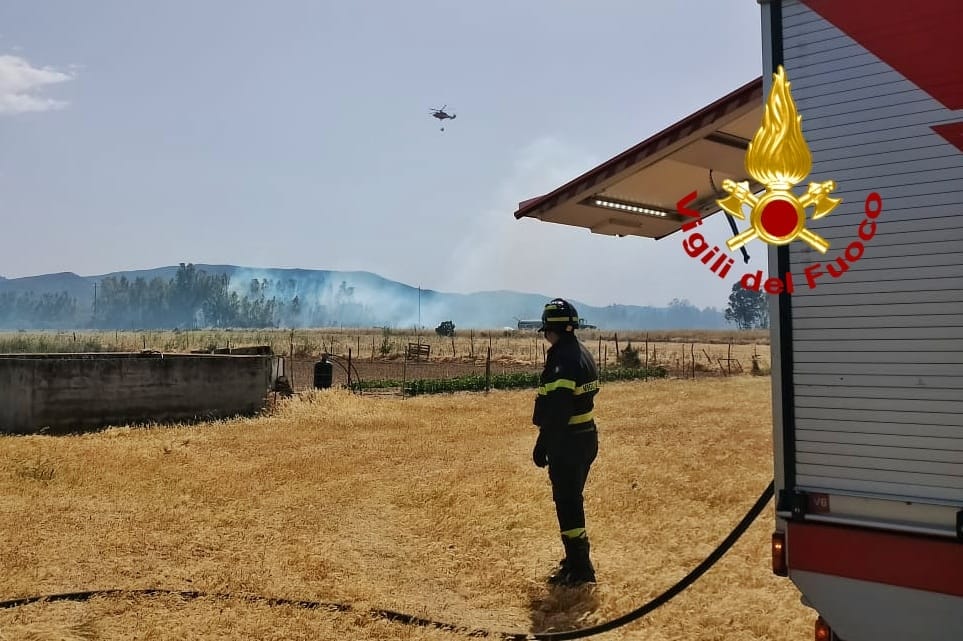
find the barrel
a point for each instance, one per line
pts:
(323, 374)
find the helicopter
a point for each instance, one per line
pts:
(441, 114)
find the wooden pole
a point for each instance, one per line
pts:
(488, 370)
(646, 375)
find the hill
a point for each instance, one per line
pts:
(304, 297)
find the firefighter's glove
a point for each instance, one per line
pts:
(540, 452)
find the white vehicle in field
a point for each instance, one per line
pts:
(867, 369)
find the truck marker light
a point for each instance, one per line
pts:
(779, 565)
(822, 631)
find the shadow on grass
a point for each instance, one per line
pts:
(562, 609)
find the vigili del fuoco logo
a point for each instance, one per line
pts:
(778, 158)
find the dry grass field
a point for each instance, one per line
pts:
(429, 505)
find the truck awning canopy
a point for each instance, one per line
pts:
(635, 193)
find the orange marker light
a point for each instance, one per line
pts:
(779, 565)
(823, 632)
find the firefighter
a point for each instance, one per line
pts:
(567, 438)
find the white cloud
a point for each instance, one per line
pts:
(19, 82)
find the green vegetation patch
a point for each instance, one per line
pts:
(477, 382)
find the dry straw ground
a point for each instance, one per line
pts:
(429, 505)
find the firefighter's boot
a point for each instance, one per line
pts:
(576, 568)
(580, 569)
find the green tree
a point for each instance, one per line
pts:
(747, 308)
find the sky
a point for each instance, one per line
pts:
(297, 133)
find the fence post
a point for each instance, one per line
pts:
(291, 347)
(692, 359)
(349, 368)
(488, 370)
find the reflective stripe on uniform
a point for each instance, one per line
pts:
(580, 418)
(575, 533)
(566, 383)
(562, 383)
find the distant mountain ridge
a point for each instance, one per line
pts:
(359, 298)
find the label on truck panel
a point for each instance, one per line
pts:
(817, 503)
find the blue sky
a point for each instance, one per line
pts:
(297, 134)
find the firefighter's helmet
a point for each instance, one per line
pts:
(559, 316)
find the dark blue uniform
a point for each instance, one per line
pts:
(568, 441)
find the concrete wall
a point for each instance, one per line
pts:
(65, 392)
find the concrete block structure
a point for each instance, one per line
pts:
(68, 392)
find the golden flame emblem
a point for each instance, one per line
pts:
(778, 157)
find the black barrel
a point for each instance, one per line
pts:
(323, 374)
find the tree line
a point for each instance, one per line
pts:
(191, 299)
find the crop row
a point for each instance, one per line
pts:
(478, 382)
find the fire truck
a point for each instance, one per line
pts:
(866, 326)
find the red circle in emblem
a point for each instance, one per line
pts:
(779, 218)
